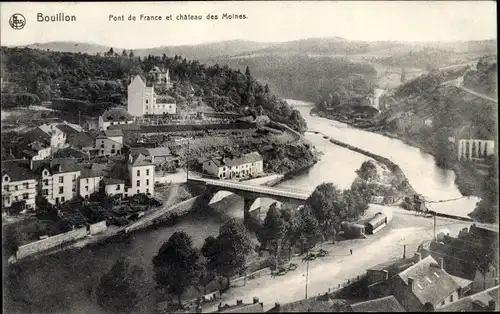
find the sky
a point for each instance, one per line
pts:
(275, 21)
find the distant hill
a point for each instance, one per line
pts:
(201, 51)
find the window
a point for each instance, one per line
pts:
(6, 179)
(102, 151)
(73, 189)
(102, 145)
(74, 178)
(138, 173)
(87, 181)
(16, 198)
(61, 190)
(112, 151)
(112, 123)
(45, 192)
(6, 188)
(61, 179)
(126, 189)
(147, 190)
(138, 191)
(62, 199)
(451, 298)
(118, 187)
(442, 303)
(113, 146)
(146, 103)
(26, 185)
(25, 196)
(147, 181)
(147, 172)
(138, 182)
(46, 182)
(86, 189)
(17, 188)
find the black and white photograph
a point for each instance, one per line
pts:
(249, 157)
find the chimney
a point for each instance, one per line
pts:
(441, 262)
(418, 256)
(255, 300)
(410, 282)
(239, 302)
(386, 273)
(277, 307)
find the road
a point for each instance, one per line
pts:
(328, 272)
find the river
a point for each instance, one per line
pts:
(64, 282)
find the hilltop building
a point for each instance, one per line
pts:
(146, 94)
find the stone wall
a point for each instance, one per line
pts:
(42, 245)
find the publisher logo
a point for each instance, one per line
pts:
(17, 21)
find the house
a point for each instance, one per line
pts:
(144, 96)
(37, 151)
(71, 152)
(91, 178)
(69, 128)
(240, 307)
(470, 260)
(385, 304)
(484, 301)
(18, 183)
(162, 158)
(425, 286)
(109, 143)
(249, 165)
(114, 116)
(58, 179)
(48, 135)
(84, 141)
(141, 171)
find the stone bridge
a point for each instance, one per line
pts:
(249, 193)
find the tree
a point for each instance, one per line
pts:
(308, 228)
(111, 52)
(17, 207)
(367, 171)
(247, 71)
(487, 208)
(124, 53)
(234, 246)
(131, 54)
(328, 207)
(177, 265)
(123, 289)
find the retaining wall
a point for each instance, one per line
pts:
(42, 245)
(98, 227)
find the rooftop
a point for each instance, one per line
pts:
(385, 304)
(468, 303)
(431, 284)
(245, 159)
(116, 114)
(17, 170)
(113, 133)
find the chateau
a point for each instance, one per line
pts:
(146, 94)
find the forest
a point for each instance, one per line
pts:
(93, 83)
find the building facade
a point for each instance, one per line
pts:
(114, 116)
(474, 149)
(141, 174)
(109, 143)
(143, 99)
(18, 184)
(249, 165)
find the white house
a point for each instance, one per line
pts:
(91, 179)
(249, 165)
(143, 99)
(37, 151)
(18, 183)
(475, 149)
(59, 179)
(114, 116)
(109, 143)
(141, 174)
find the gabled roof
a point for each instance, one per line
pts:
(141, 160)
(113, 133)
(431, 284)
(92, 170)
(245, 159)
(116, 114)
(385, 304)
(37, 134)
(159, 151)
(56, 165)
(70, 152)
(467, 304)
(394, 266)
(69, 129)
(81, 140)
(165, 99)
(17, 170)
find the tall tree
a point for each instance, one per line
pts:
(308, 231)
(328, 206)
(131, 54)
(177, 265)
(124, 289)
(234, 247)
(111, 52)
